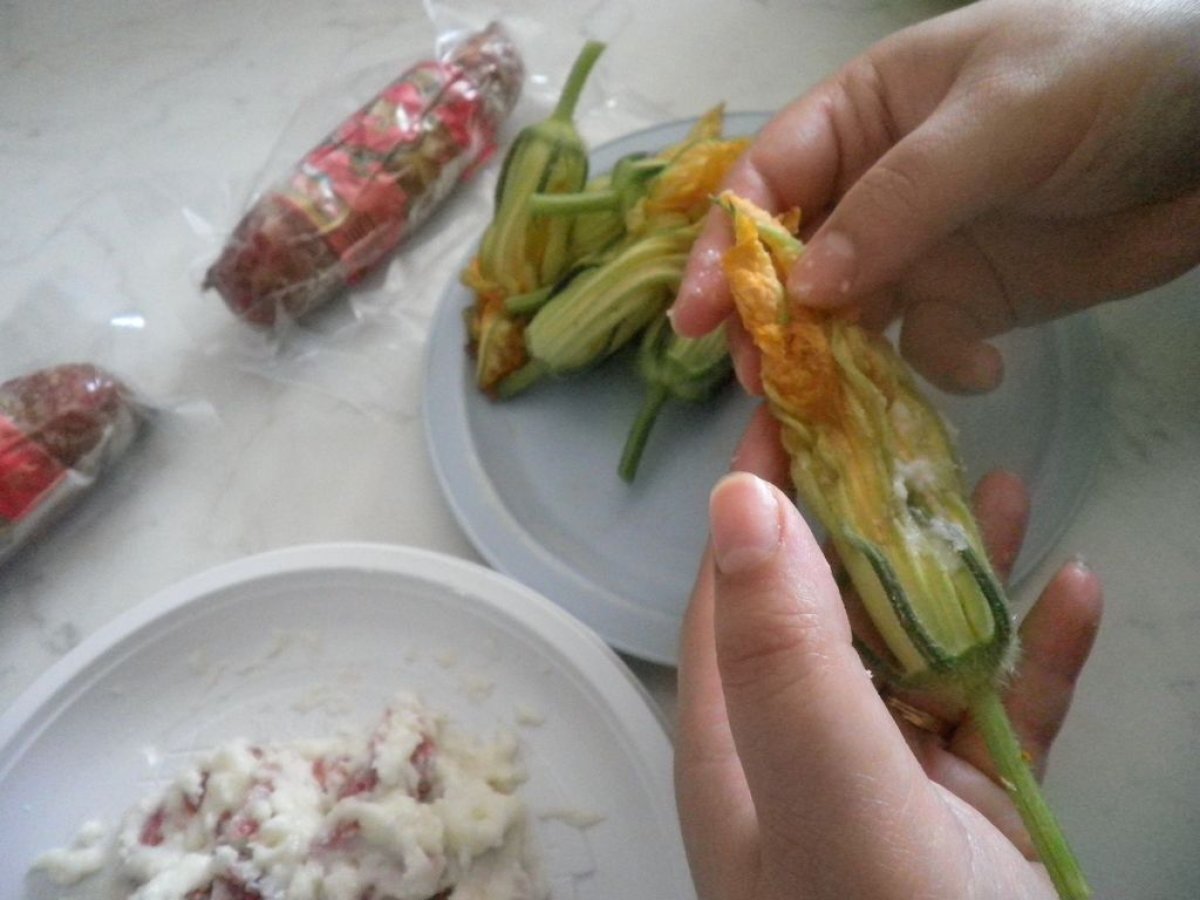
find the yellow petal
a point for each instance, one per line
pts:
(689, 182)
(798, 368)
(709, 125)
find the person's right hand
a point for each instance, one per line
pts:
(1007, 163)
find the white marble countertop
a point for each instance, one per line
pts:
(131, 132)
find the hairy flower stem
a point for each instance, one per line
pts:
(1018, 779)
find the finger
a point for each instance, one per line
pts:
(792, 163)
(1056, 638)
(970, 156)
(944, 343)
(1001, 505)
(982, 793)
(1056, 266)
(716, 813)
(823, 760)
(703, 300)
(953, 300)
(879, 310)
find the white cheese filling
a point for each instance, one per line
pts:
(406, 811)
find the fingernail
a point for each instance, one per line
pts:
(744, 516)
(1081, 564)
(825, 274)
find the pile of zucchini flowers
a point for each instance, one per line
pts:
(573, 268)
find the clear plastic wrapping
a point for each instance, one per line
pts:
(351, 200)
(365, 345)
(61, 428)
(86, 399)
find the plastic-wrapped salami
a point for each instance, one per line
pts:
(351, 200)
(60, 429)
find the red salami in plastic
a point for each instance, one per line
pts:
(355, 197)
(60, 428)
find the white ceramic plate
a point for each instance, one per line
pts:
(294, 643)
(533, 480)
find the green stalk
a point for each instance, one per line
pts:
(574, 204)
(564, 111)
(627, 181)
(1015, 774)
(639, 433)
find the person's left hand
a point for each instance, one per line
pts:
(794, 776)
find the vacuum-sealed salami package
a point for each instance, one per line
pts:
(61, 429)
(349, 317)
(351, 200)
(104, 424)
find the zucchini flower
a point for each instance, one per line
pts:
(875, 464)
(636, 228)
(602, 307)
(520, 253)
(686, 186)
(645, 193)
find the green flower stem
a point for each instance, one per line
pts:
(989, 715)
(564, 111)
(640, 431)
(576, 204)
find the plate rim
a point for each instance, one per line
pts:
(531, 610)
(574, 651)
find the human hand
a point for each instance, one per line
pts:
(1004, 164)
(792, 775)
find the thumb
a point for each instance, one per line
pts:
(824, 761)
(967, 158)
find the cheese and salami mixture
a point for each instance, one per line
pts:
(411, 810)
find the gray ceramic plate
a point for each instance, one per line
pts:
(533, 481)
(308, 641)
